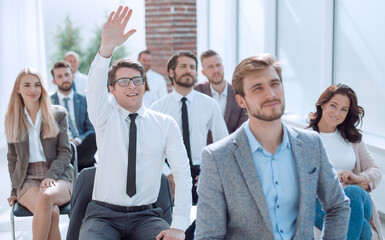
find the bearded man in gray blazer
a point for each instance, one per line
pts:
(261, 182)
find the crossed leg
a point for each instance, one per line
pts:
(44, 204)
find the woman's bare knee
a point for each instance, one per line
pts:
(44, 199)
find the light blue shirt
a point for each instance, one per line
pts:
(279, 179)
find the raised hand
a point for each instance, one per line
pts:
(113, 31)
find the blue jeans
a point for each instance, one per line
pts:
(361, 212)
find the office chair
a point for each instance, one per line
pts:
(82, 195)
(19, 210)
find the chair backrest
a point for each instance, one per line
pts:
(82, 195)
(74, 160)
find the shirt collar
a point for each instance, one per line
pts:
(224, 93)
(177, 96)
(62, 96)
(124, 113)
(255, 145)
(38, 117)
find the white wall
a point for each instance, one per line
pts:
(21, 45)
(319, 43)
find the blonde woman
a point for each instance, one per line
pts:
(39, 154)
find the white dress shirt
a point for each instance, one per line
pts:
(203, 115)
(71, 107)
(80, 82)
(156, 84)
(221, 98)
(158, 137)
(36, 152)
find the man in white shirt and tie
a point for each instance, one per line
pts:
(133, 142)
(195, 113)
(203, 112)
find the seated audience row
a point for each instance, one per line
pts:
(265, 180)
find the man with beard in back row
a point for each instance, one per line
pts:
(81, 133)
(195, 113)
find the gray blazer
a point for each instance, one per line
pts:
(57, 152)
(83, 124)
(231, 201)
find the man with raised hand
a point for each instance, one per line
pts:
(133, 142)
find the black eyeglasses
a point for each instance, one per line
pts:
(124, 82)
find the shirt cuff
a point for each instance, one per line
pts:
(79, 140)
(179, 222)
(101, 61)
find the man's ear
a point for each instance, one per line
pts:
(171, 73)
(53, 81)
(241, 101)
(112, 89)
(203, 72)
(171, 76)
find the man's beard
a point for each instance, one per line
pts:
(66, 89)
(178, 80)
(216, 82)
(264, 117)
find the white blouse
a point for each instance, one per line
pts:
(340, 152)
(36, 153)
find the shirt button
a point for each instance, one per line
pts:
(281, 231)
(277, 206)
(276, 182)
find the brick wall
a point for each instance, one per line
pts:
(170, 27)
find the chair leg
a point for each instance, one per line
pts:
(13, 222)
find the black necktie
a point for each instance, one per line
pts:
(186, 131)
(131, 169)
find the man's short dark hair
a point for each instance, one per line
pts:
(208, 53)
(173, 61)
(123, 63)
(144, 51)
(60, 64)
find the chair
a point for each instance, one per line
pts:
(82, 195)
(19, 210)
(74, 160)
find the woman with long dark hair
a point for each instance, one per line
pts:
(39, 154)
(336, 119)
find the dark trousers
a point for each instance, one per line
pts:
(86, 152)
(103, 223)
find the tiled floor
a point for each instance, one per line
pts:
(23, 225)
